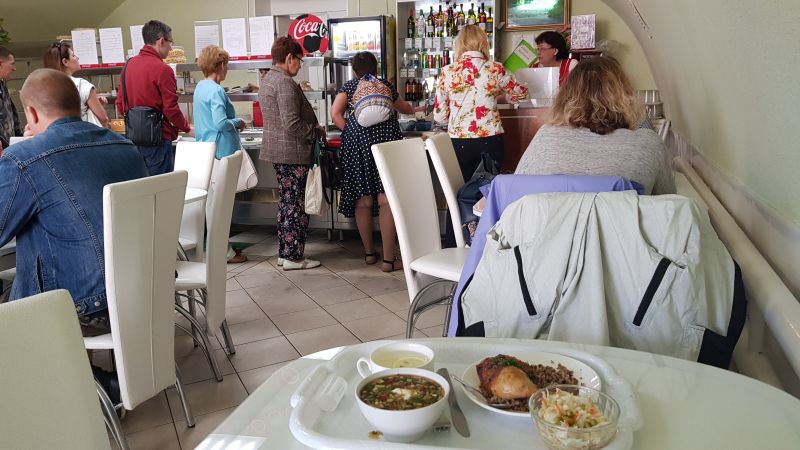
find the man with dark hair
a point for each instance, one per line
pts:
(9, 120)
(150, 82)
(51, 195)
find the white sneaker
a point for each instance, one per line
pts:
(280, 262)
(307, 263)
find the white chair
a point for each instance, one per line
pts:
(209, 278)
(141, 219)
(47, 389)
(403, 167)
(443, 155)
(196, 158)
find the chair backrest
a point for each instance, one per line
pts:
(403, 167)
(196, 158)
(445, 162)
(141, 219)
(47, 389)
(221, 194)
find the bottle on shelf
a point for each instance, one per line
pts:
(440, 21)
(461, 18)
(482, 17)
(421, 24)
(431, 29)
(490, 24)
(412, 24)
(450, 27)
(424, 59)
(471, 18)
(407, 91)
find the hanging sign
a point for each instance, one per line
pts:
(310, 32)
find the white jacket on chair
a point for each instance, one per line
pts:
(613, 268)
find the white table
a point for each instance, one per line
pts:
(685, 405)
(194, 195)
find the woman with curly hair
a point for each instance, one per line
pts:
(594, 130)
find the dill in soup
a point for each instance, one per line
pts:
(401, 392)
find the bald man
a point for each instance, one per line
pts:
(51, 196)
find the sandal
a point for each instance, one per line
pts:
(373, 255)
(391, 264)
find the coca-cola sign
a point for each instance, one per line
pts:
(310, 32)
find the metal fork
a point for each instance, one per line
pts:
(478, 392)
(441, 425)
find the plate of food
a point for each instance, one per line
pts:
(511, 380)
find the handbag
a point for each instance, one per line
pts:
(248, 178)
(331, 165)
(470, 193)
(314, 189)
(143, 124)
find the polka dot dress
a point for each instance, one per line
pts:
(360, 173)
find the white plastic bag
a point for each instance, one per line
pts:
(314, 195)
(248, 179)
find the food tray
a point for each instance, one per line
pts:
(320, 422)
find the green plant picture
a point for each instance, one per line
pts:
(536, 14)
(4, 36)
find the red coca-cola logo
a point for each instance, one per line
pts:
(310, 32)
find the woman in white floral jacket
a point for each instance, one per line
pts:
(466, 100)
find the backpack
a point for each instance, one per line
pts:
(372, 101)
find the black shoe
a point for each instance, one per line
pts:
(109, 382)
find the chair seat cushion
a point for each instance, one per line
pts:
(101, 342)
(191, 275)
(446, 263)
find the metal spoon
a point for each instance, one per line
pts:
(478, 392)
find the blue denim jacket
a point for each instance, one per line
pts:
(51, 199)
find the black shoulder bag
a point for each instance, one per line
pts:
(143, 124)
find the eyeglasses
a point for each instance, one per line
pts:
(171, 42)
(541, 49)
(299, 59)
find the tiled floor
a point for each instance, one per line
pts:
(276, 317)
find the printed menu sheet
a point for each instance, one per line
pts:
(137, 41)
(111, 46)
(234, 37)
(262, 35)
(205, 33)
(84, 44)
(583, 31)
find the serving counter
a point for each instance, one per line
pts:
(520, 124)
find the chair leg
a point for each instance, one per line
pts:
(446, 325)
(209, 353)
(187, 410)
(226, 334)
(111, 418)
(418, 306)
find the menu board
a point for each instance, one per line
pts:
(205, 33)
(262, 35)
(137, 41)
(583, 31)
(234, 38)
(111, 46)
(84, 45)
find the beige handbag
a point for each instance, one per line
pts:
(248, 179)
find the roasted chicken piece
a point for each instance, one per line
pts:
(502, 377)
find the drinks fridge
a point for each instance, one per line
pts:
(373, 34)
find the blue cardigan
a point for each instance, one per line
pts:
(215, 119)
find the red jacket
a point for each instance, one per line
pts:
(151, 83)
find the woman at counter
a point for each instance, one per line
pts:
(551, 48)
(59, 56)
(362, 190)
(594, 130)
(466, 100)
(290, 128)
(214, 116)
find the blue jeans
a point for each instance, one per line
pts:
(158, 159)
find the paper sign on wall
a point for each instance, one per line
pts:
(234, 37)
(262, 35)
(84, 45)
(137, 41)
(111, 46)
(205, 33)
(583, 31)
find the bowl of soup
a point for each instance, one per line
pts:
(402, 403)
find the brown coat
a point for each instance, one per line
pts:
(289, 120)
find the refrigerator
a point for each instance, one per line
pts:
(374, 34)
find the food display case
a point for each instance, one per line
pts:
(357, 34)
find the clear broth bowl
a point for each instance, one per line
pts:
(558, 437)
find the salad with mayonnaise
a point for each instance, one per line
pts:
(566, 409)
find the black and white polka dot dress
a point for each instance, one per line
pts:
(360, 173)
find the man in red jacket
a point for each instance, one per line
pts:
(151, 83)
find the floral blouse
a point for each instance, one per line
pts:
(465, 96)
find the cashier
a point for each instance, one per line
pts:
(552, 50)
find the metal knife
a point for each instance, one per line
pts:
(459, 421)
